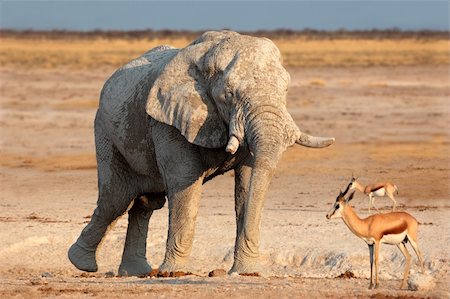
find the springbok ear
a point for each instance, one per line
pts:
(351, 196)
(179, 97)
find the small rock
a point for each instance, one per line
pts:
(217, 273)
(163, 274)
(420, 282)
(110, 274)
(153, 273)
(38, 281)
(47, 275)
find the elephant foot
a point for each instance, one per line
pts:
(82, 258)
(172, 267)
(248, 269)
(134, 268)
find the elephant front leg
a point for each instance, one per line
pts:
(134, 260)
(246, 255)
(181, 165)
(183, 208)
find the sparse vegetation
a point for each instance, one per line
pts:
(305, 48)
(317, 82)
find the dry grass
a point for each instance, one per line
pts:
(364, 52)
(317, 82)
(75, 53)
(82, 53)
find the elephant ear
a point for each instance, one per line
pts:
(179, 97)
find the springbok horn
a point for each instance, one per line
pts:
(312, 141)
(346, 190)
(232, 145)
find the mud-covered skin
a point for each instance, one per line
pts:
(162, 129)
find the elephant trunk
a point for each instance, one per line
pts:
(265, 134)
(268, 131)
(266, 141)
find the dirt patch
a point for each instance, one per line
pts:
(172, 274)
(347, 275)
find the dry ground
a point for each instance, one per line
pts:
(390, 122)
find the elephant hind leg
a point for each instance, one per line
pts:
(117, 188)
(134, 260)
(83, 252)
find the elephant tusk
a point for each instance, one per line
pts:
(232, 145)
(312, 141)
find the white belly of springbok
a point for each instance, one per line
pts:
(394, 238)
(380, 192)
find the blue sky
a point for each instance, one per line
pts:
(237, 15)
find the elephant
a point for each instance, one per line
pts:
(171, 120)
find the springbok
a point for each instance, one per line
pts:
(395, 228)
(376, 190)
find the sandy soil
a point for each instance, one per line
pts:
(390, 123)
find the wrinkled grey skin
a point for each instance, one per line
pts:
(161, 131)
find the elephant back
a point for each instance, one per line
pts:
(133, 81)
(123, 98)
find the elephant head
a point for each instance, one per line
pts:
(227, 90)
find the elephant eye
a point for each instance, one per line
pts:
(229, 95)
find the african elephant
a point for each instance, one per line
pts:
(173, 119)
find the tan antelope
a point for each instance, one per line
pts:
(376, 190)
(395, 228)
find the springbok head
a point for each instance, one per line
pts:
(339, 204)
(352, 182)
